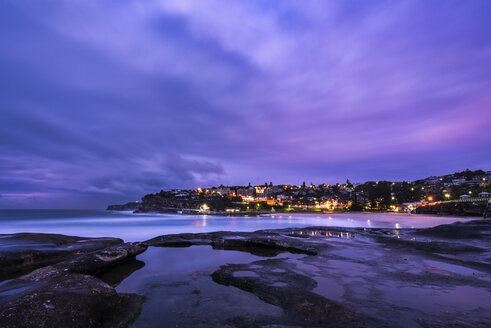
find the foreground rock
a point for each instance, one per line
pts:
(477, 229)
(68, 300)
(24, 252)
(353, 277)
(67, 294)
(262, 243)
(276, 282)
(474, 238)
(314, 277)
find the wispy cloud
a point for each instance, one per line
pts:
(104, 101)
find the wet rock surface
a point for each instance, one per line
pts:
(66, 294)
(66, 300)
(276, 282)
(359, 277)
(24, 252)
(477, 229)
(296, 277)
(262, 243)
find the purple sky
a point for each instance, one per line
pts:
(104, 101)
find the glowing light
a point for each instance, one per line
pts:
(397, 226)
(430, 198)
(447, 195)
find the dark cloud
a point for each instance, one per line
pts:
(103, 102)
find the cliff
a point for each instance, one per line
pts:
(132, 206)
(455, 208)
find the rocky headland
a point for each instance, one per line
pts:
(132, 206)
(478, 208)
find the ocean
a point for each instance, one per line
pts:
(140, 227)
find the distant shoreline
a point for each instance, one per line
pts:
(268, 213)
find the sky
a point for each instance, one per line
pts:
(104, 101)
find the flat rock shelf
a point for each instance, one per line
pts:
(295, 277)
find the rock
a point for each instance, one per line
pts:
(66, 300)
(24, 252)
(477, 208)
(262, 243)
(102, 260)
(477, 229)
(132, 206)
(431, 245)
(65, 295)
(292, 292)
(118, 273)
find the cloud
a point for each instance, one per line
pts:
(103, 102)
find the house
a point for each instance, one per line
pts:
(224, 190)
(245, 192)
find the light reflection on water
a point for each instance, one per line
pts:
(137, 227)
(314, 233)
(180, 292)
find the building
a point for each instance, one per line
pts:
(245, 192)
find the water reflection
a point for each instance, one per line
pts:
(179, 290)
(396, 233)
(196, 223)
(317, 233)
(117, 274)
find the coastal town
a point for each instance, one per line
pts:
(467, 192)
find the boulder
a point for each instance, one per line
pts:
(24, 252)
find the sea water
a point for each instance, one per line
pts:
(140, 227)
